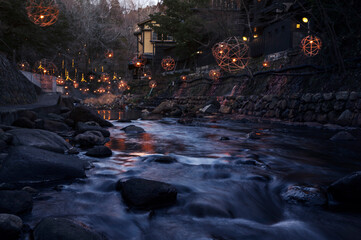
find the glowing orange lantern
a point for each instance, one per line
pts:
(91, 77)
(168, 63)
(60, 81)
(231, 54)
(109, 53)
(105, 77)
(75, 84)
(139, 61)
(24, 66)
(183, 78)
(42, 12)
(122, 86)
(214, 74)
(152, 84)
(265, 64)
(311, 45)
(101, 90)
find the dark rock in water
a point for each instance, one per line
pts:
(147, 194)
(209, 109)
(64, 110)
(6, 127)
(124, 121)
(69, 122)
(253, 135)
(307, 195)
(6, 137)
(15, 202)
(55, 117)
(133, 129)
(89, 139)
(7, 186)
(31, 115)
(185, 120)
(343, 136)
(83, 127)
(10, 226)
(176, 112)
(84, 114)
(347, 189)
(28, 164)
(224, 138)
(55, 126)
(23, 123)
(99, 152)
(63, 229)
(40, 139)
(159, 159)
(39, 123)
(208, 206)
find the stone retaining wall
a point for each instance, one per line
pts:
(343, 108)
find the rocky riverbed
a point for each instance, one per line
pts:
(71, 174)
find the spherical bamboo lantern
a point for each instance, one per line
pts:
(139, 61)
(24, 66)
(152, 84)
(311, 45)
(109, 53)
(231, 54)
(42, 12)
(214, 74)
(168, 63)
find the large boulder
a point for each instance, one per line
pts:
(147, 194)
(347, 189)
(40, 139)
(345, 118)
(343, 136)
(28, 164)
(10, 226)
(307, 195)
(91, 126)
(133, 129)
(55, 126)
(164, 107)
(99, 152)
(63, 229)
(23, 122)
(84, 114)
(89, 139)
(15, 202)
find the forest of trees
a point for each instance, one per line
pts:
(78, 41)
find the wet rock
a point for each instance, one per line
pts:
(55, 126)
(164, 107)
(124, 121)
(7, 186)
(224, 139)
(40, 139)
(343, 136)
(10, 226)
(328, 96)
(306, 97)
(345, 118)
(31, 115)
(64, 110)
(147, 194)
(89, 139)
(30, 190)
(225, 109)
(152, 116)
(39, 123)
(253, 135)
(99, 152)
(84, 127)
(23, 123)
(63, 229)
(28, 164)
(15, 202)
(176, 112)
(6, 127)
(209, 109)
(185, 120)
(133, 129)
(347, 189)
(84, 114)
(353, 96)
(159, 159)
(3, 145)
(307, 195)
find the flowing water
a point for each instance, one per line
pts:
(228, 189)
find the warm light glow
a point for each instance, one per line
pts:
(265, 64)
(255, 36)
(168, 63)
(41, 16)
(298, 25)
(245, 38)
(305, 20)
(234, 60)
(311, 45)
(42, 12)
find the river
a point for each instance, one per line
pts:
(227, 189)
